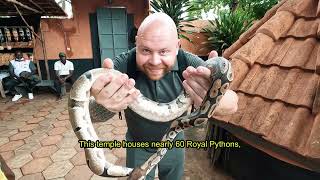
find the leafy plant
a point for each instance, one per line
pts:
(226, 29)
(256, 8)
(178, 10)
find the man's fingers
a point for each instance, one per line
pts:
(212, 54)
(99, 84)
(114, 86)
(188, 72)
(203, 71)
(107, 63)
(133, 95)
(123, 91)
(196, 99)
(197, 87)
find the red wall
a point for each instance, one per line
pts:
(73, 36)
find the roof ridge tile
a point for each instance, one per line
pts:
(278, 25)
(246, 36)
(297, 7)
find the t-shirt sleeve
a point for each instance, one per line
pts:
(193, 60)
(32, 66)
(56, 67)
(71, 66)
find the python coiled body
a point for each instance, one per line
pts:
(221, 75)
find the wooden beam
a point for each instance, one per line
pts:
(35, 4)
(24, 6)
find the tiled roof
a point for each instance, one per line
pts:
(277, 77)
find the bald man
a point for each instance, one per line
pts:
(157, 56)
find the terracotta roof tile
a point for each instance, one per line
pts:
(270, 118)
(287, 84)
(235, 45)
(251, 31)
(278, 25)
(311, 64)
(316, 102)
(318, 10)
(303, 90)
(250, 112)
(277, 53)
(258, 45)
(291, 52)
(240, 70)
(300, 8)
(317, 55)
(313, 144)
(304, 28)
(299, 53)
(318, 31)
(292, 136)
(277, 79)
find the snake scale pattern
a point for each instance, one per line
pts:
(78, 105)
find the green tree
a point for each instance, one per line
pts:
(226, 29)
(179, 11)
(257, 8)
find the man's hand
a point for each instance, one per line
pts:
(197, 81)
(114, 93)
(61, 80)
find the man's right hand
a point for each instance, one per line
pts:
(114, 93)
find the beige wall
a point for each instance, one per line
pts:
(198, 38)
(73, 36)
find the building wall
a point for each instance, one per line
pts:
(196, 47)
(73, 36)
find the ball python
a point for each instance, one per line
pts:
(221, 75)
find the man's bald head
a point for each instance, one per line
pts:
(157, 25)
(157, 45)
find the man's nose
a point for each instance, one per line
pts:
(155, 59)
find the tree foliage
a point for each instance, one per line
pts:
(233, 20)
(256, 8)
(226, 29)
(177, 10)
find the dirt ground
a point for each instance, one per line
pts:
(197, 163)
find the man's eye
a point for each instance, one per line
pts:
(145, 51)
(164, 52)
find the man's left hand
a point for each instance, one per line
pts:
(196, 83)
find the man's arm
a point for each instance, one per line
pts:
(228, 104)
(32, 67)
(11, 71)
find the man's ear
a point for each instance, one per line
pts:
(178, 46)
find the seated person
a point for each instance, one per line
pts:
(22, 77)
(63, 71)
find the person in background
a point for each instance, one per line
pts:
(22, 77)
(63, 71)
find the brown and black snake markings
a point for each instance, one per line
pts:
(221, 75)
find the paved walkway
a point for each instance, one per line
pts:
(37, 141)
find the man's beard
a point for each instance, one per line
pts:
(151, 71)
